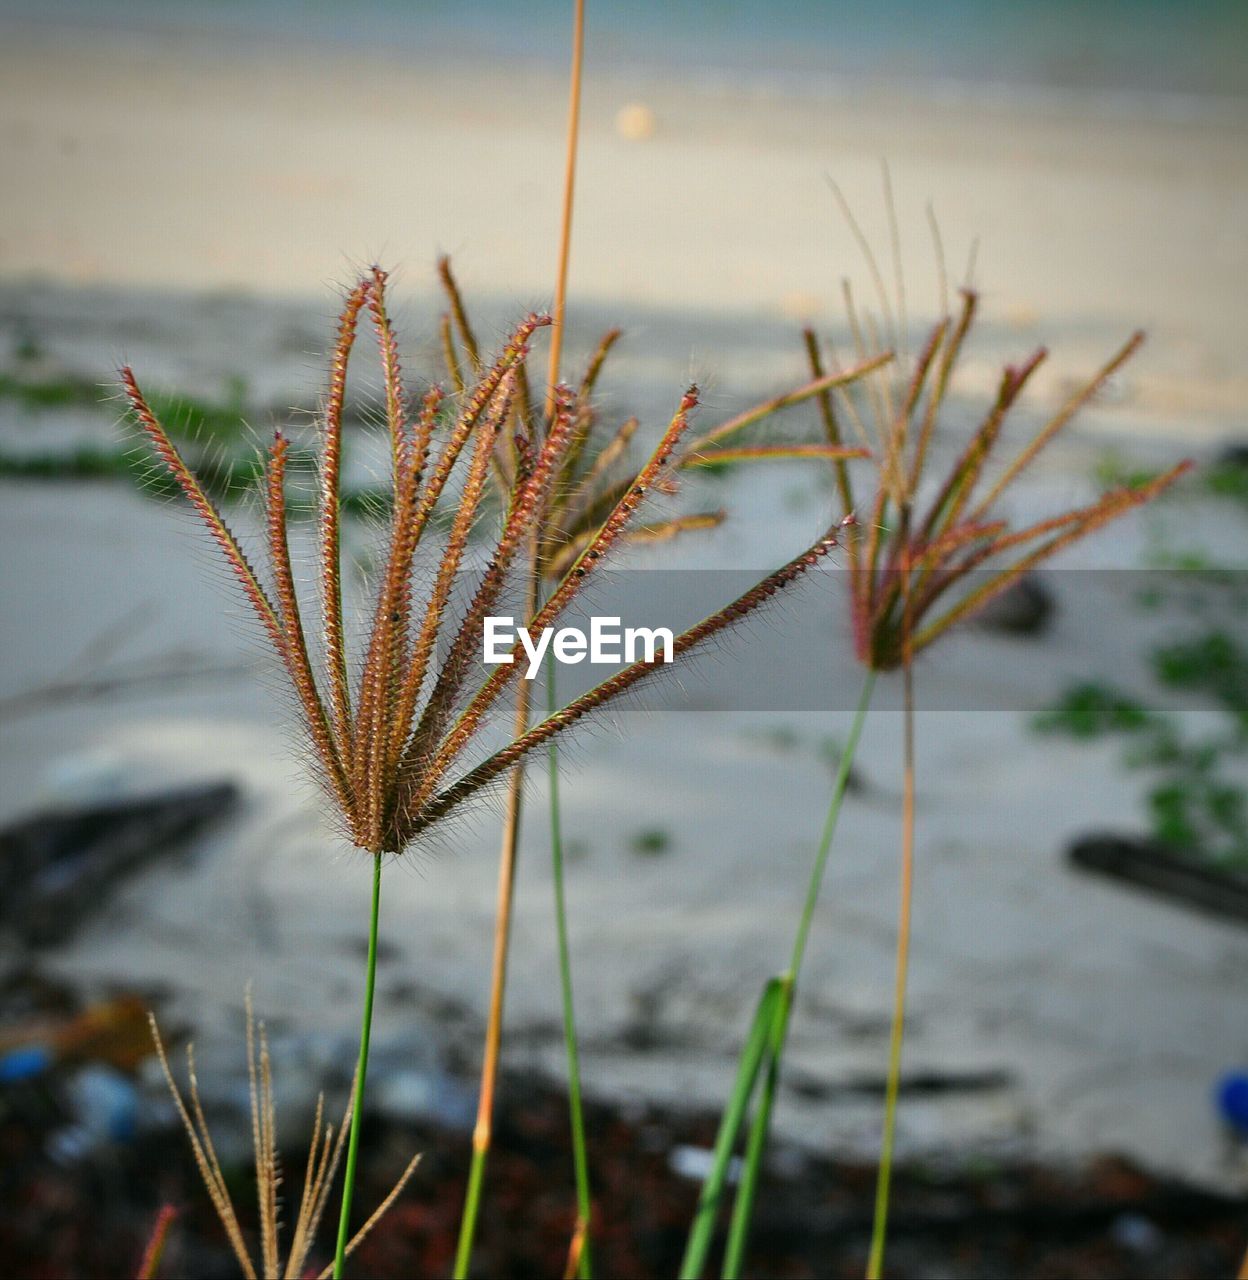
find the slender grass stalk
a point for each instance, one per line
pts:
(155, 1248)
(879, 1229)
(483, 1131)
(839, 787)
(472, 1204)
(576, 1114)
(357, 1110)
(569, 190)
(743, 1206)
(572, 1267)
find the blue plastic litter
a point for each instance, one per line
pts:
(1232, 1095)
(25, 1063)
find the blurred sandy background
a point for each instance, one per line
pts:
(184, 158)
(172, 182)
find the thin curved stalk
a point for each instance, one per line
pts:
(839, 788)
(743, 1207)
(155, 1248)
(483, 1131)
(879, 1229)
(357, 1109)
(569, 190)
(580, 1158)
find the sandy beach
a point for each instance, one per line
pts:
(194, 210)
(141, 163)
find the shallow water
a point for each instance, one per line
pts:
(1166, 55)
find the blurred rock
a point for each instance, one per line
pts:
(58, 865)
(1232, 455)
(1025, 609)
(1156, 868)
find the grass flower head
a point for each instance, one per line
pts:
(916, 567)
(389, 746)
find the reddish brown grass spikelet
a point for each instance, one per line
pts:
(392, 376)
(593, 476)
(910, 560)
(297, 662)
(452, 558)
(466, 335)
(484, 773)
(385, 758)
(434, 766)
(330, 466)
(521, 518)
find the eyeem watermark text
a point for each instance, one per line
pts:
(607, 643)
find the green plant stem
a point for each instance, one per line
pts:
(879, 1230)
(357, 1107)
(756, 1143)
(839, 787)
(472, 1206)
(752, 1054)
(580, 1157)
(743, 1207)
